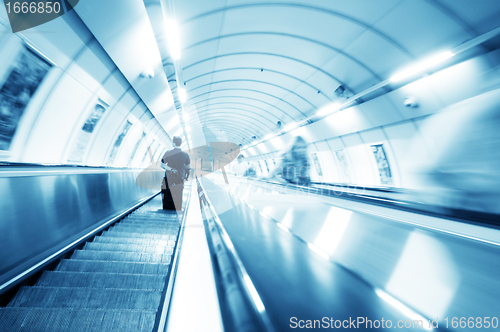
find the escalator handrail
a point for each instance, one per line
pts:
(460, 215)
(164, 309)
(250, 294)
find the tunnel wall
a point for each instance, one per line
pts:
(43, 209)
(81, 75)
(349, 134)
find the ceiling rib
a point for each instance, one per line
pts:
(260, 69)
(237, 116)
(337, 81)
(243, 104)
(251, 90)
(335, 49)
(248, 98)
(242, 126)
(226, 109)
(256, 81)
(308, 7)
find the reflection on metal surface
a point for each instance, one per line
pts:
(267, 211)
(333, 229)
(283, 227)
(429, 268)
(218, 230)
(318, 251)
(253, 293)
(44, 213)
(403, 309)
(288, 219)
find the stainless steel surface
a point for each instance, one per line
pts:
(40, 214)
(124, 278)
(428, 269)
(230, 267)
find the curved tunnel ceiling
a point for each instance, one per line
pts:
(248, 64)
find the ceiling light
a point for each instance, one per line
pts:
(173, 39)
(188, 129)
(291, 126)
(421, 66)
(268, 136)
(328, 109)
(182, 95)
(186, 116)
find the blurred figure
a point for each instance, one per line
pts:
(461, 169)
(8, 122)
(239, 167)
(294, 166)
(251, 172)
(176, 164)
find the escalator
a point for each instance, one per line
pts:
(116, 282)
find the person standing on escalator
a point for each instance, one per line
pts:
(176, 164)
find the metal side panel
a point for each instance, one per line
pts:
(43, 211)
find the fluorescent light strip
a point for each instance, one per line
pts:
(291, 126)
(173, 38)
(182, 95)
(422, 66)
(458, 49)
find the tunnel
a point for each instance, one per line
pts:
(249, 165)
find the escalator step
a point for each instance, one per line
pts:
(71, 320)
(130, 224)
(153, 217)
(70, 297)
(158, 213)
(130, 240)
(75, 265)
(101, 280)
(118, 256)
(146, 229)
(140, 230)
(130, 234)
(142, 223)
(128, 247)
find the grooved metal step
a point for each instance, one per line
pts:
(98, 298)
(72, 320)
(173, 221)
(138, 235)
(166, 249)
(140, 230)
(112, 267)
(130, 240)
(145, 223)
(101, 280)
(148, 224)
(118, 256)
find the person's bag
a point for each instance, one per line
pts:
(173, 176)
